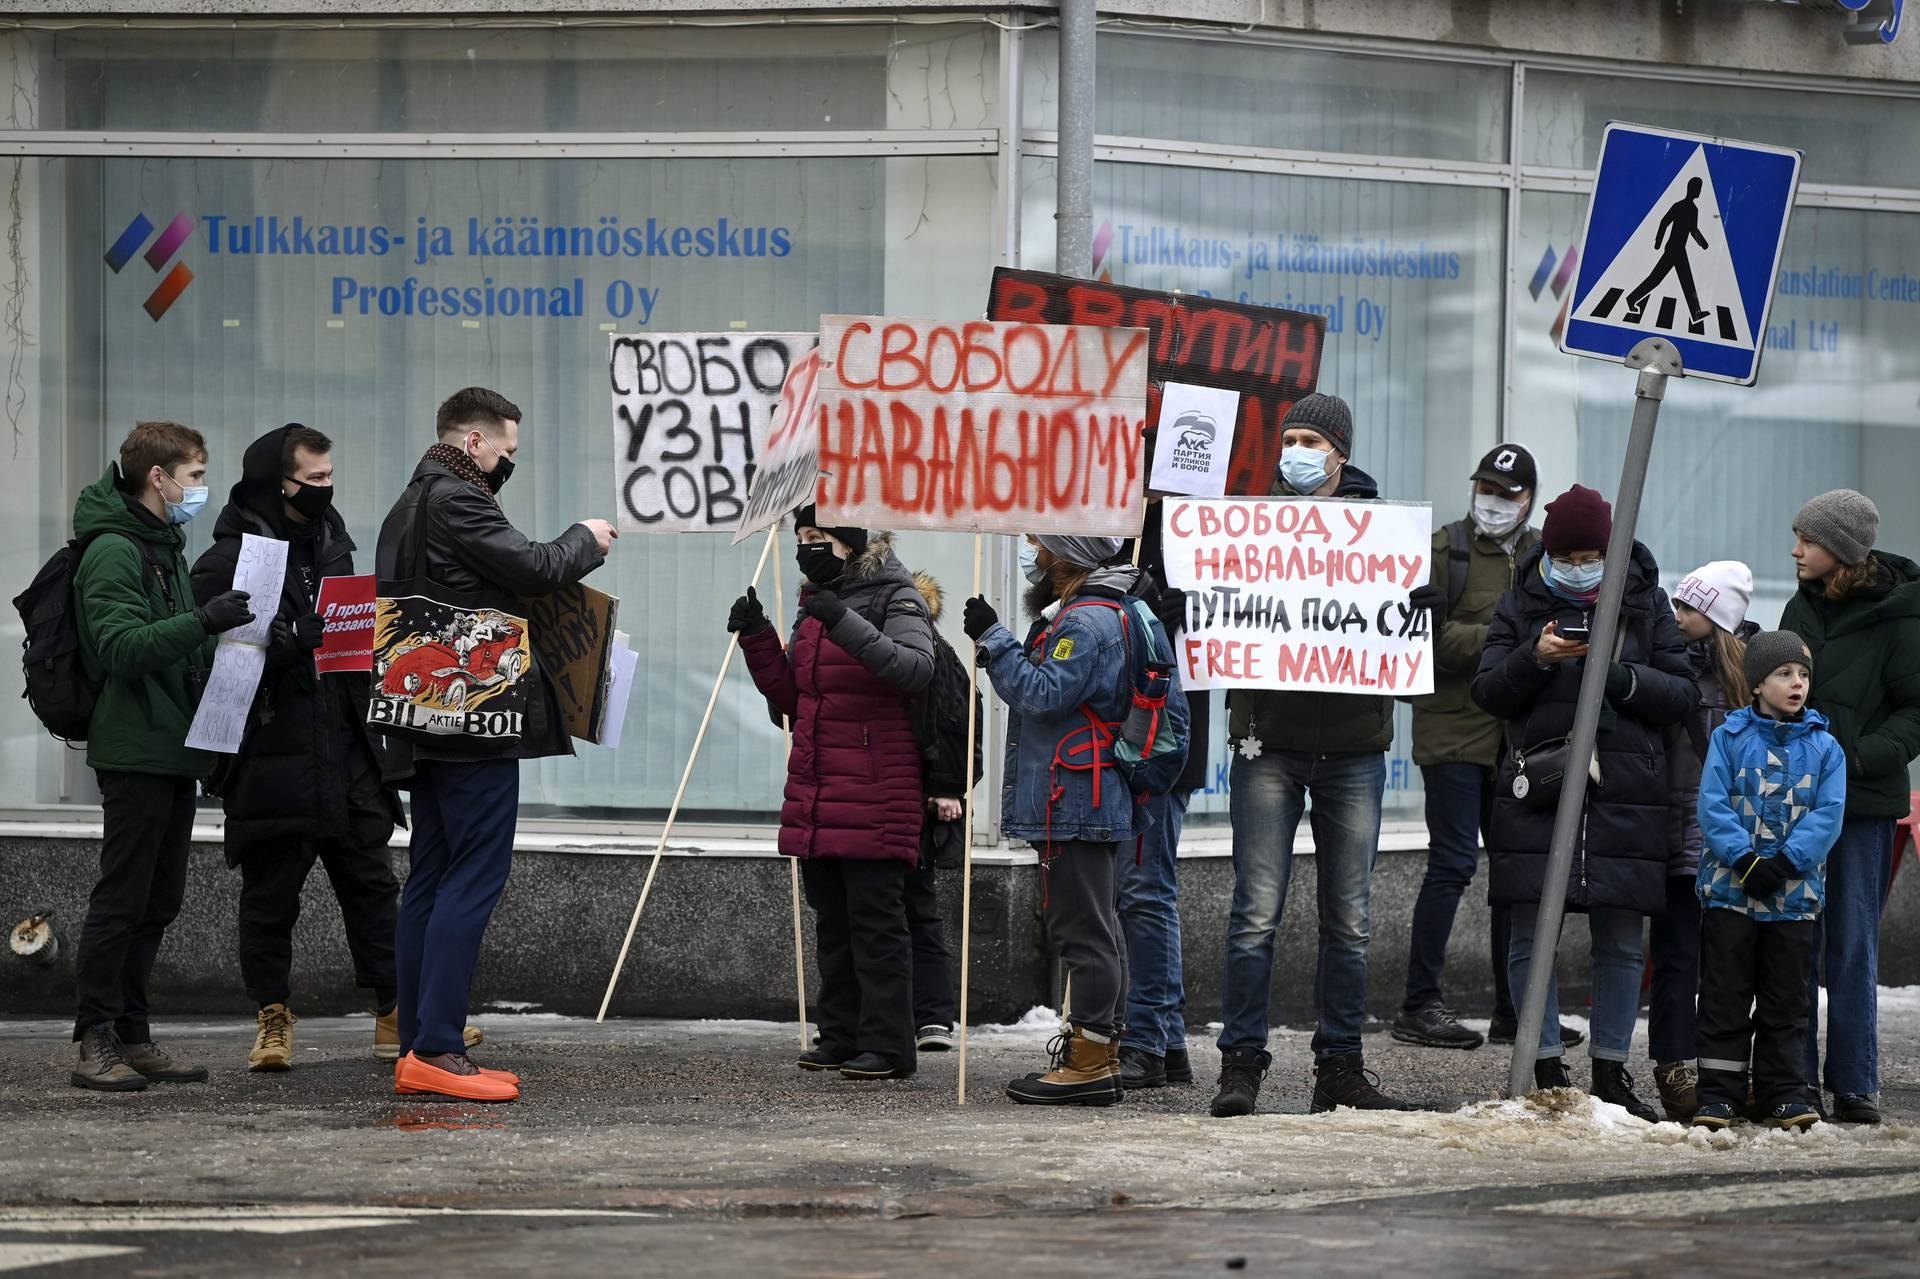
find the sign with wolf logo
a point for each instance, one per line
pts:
(1195, 448)
(441, 670)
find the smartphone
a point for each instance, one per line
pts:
(1575, 632)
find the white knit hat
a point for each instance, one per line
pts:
(1720, 590)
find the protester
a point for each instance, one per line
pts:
(147, 648)
(1290, 746)
(941, 730)
(1067, 687)
(466, 796)
(1530, 677)
(1710, 608)
(1859, 611)
(854, 801)
(305, 785)
(1773, 794)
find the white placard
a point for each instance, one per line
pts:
(790, 463)
(619, 688)
(1193, 444)
(220, 722)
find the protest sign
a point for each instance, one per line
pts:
(1301, 593)
(691, 413)
(1194, 451)
(220, 721)
(1270, 356)
(981, 427)
(626, 663)
(346, 608)
(791, 461)
(573, 636)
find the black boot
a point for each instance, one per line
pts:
(1551, 1072)
(1141, 1069)
(1612, 1083)
(1344, 1080)
(1435, 1026)
(1241, 1070)
(1179, 1066)
(1503, 1030)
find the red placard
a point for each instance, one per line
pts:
(346, 608)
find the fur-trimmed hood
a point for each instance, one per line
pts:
(930, 591)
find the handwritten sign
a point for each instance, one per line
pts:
(1270, 356)
(1195, 450)
(1301, 593)
(573, 636)
(220, 721)
(791, 461)
(346, 611)
(691, 412)
(981, 427)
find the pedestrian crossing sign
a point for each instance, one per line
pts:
(1683, 242)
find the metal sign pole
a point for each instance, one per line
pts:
(1657, 360)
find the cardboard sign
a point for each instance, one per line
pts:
(573, 636)
(691, 413)
(220, 721)
(791, 460)
(1194, 451)
(981, 427)
(345, 607)
(1270, 356)
(1301, 593)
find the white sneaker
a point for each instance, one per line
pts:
(934, 1039)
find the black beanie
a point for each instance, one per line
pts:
(808, 516)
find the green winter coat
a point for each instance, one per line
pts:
(1866, 680)
(135, 641)
(1448, 728)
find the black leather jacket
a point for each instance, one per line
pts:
(473, 549)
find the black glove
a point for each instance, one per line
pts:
(978, 618)
(224, 612)
(1763, 876)
(1171, 609)
(824, 605)
(309, 631)
(1431, 598)
(1619, 682)
(747, 616)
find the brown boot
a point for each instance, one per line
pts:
(1679, 1086)
(273, 1042)
(1086, 1072)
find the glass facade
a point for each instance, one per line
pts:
(382, 216)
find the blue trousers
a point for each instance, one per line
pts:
(460, 853)
(1846, 946)
(1616, 981)
(1149, 893)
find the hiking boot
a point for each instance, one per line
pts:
(158, 1065)
(472, 1036)
(934, 1039)
(1714, 1116)
(1551, 1072)
(1142, 1069)
(820, 1059)
(1679, 1085)
(1344, 1080)
(1792, 1115)
(451, 1075)
(1435, 1026)
(1083, 1074)
(1855, 1108)
(98, 1064)
(273, 1043)
(1503, 1030)
(1611, 1082)
(386, 1036)
(874, 1066)
(1241, 1070)
(1179, 1065)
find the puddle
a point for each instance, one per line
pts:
(411, 1120)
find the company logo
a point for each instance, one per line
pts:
(1193, 448)
(168, 291)
(1506, 459)
(1545, 277)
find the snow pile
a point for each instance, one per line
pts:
(1037, 1020)
(1564, 1114)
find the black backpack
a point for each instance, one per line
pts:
(58, 690)
(939, 712)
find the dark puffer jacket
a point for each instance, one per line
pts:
(1620, 856)
(1686, 753)
(853, 780)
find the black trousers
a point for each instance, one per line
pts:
(933, 997)
(1753, 1006)
(270, 884)
(143, 879)
(865, 1002)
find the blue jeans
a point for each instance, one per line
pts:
(1672, 1016)
(1149, 893)
(1846, 945)
(1616, 981)
(1269, 796)
(1459, 809)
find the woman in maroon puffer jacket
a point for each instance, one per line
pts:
(854, 805)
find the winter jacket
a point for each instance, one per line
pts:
(138, 635)
(1685, 758)
(473, 550)
(1447, 727)
(943, 771)
(1771, 787)
(1316, 723)
(1076, 662)
(853, 779)
(1866, 680)
(1620, 856)
(1171, 610)
(289, 782)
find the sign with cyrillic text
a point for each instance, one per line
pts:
(791, 461)
(981, 427)
(220, 721)
(1301, 593)
(346, 608)
(691, 414)
(1192, 453)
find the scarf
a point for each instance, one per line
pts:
(457, 461)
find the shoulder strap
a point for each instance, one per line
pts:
(147, 559)
(1459, 561)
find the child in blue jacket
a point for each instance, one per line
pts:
(1772, 795)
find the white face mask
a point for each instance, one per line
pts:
(1496, 517)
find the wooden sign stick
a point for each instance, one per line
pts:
(966, 873)
(793, 863)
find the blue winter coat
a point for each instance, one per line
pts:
(1770, 786)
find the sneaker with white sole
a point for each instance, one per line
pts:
(934, 1039)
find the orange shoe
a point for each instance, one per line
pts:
(507, 1075)
(411, 1076)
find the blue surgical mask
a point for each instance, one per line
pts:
(1304, 469)
(192, 500)
(1030, 563)
(1580, 579)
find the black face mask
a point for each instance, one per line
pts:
(502, 472)
(818, 562)
(311, 501)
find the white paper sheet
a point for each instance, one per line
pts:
(619, 688)
(240, 661)
(1195, 441)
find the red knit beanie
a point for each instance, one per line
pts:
(1578, 520)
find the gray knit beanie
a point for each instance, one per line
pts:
(1327, 414)
(1768, 651)
(1843, 521)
